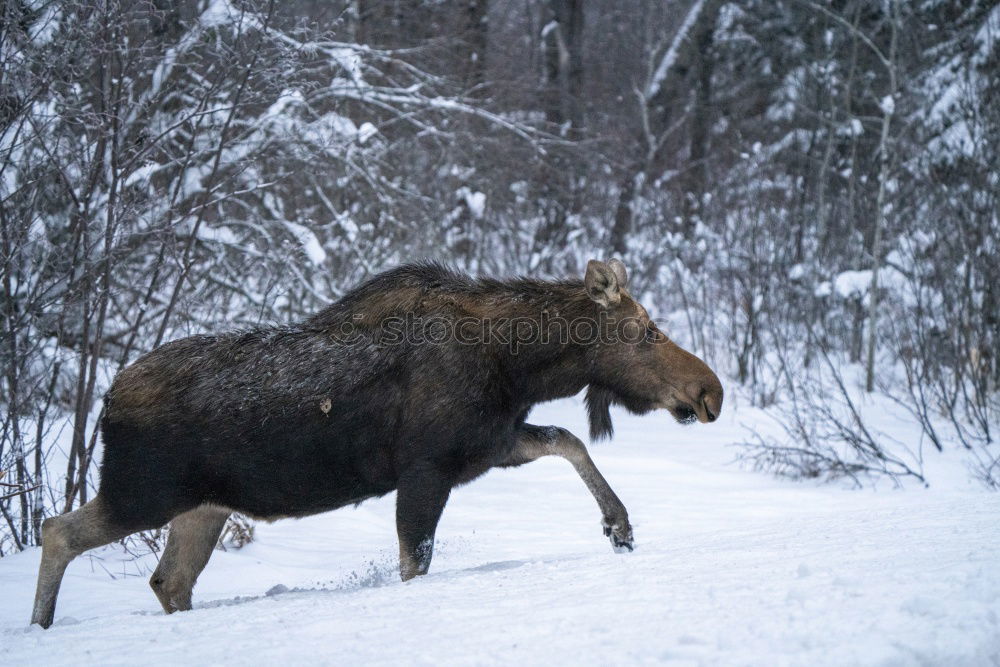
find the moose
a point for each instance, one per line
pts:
(290, 421)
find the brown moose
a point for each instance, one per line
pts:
(416, 381)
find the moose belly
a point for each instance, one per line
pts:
(300, 472)
(266, 468)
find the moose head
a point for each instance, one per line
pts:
(636, 365)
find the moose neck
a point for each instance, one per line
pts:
(541, 358)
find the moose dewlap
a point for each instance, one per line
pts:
(416, 381)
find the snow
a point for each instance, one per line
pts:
(288, 98)
(366, 132)
(474, 201)
(852, 128)
(852, 283)
(221, 234)
(986, 38)
(349, 59)
(310, 243)
(46, 25)
(887, 105)
(731, 568)
(348, 225)
(218, 12)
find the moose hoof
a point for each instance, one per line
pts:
(620, 534)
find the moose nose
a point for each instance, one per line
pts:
(708, 403)
(712, 400)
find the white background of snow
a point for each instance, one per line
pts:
(731, 568)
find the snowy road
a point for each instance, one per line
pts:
(731, 568)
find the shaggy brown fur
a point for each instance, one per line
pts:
(373, 394)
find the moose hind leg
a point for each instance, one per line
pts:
(420, 498)
(190, 542)
(64, 538)
(534, 442)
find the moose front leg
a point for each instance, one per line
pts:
(534, 442)
(420, 498)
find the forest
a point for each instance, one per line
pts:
(806, 193)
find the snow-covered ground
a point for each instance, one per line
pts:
(731, 567)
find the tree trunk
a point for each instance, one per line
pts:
(696, 176)
(888, 108)
(665, 93)
(562, 35)
(476, 40)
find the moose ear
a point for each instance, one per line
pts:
(602, 284)
(618, 267)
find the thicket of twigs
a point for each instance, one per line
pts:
(806, 191)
